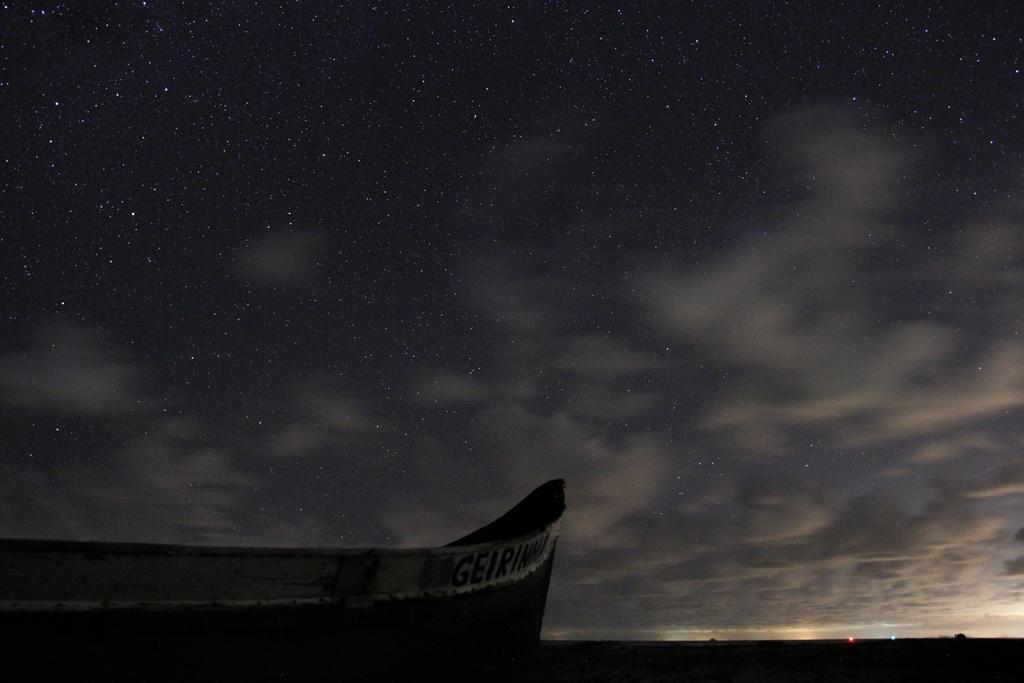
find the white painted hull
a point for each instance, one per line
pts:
(361, 612)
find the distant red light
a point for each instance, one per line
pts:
(850, 639)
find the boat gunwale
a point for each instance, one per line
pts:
(527, 506)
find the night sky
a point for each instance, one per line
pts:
(750, 277)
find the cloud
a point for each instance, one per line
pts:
(543, 354)
(823, 330)
(157, 477)
(709, 420)
(816, 328)
(71, 369)
(781, 551)
(609, 482)
(527, 175)
(446, 387)
(548, 398)
(608, 402)
(36, 504)
(175, 484)
(852, 169)
(603, 358)
(774, 509)
(1008, 481)
(167, 485)
(322, 415)
(953, 446)
(283, 257)
(524, 305)
(867, 408)
(1015, 567)
(649, 395)
(513, 450)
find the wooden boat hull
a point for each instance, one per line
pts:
(192, 613)
(495, 630)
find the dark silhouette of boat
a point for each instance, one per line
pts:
(176, 612)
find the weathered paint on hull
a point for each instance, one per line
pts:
(146, 612)
(491, 631)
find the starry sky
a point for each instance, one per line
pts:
(749, 276)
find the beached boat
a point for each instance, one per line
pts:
(144, 611)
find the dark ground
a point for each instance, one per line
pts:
(767, 662)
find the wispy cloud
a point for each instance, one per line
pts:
(167, 484)
(71, 369)
(821, 333)
(322, 414)
(282, 257)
